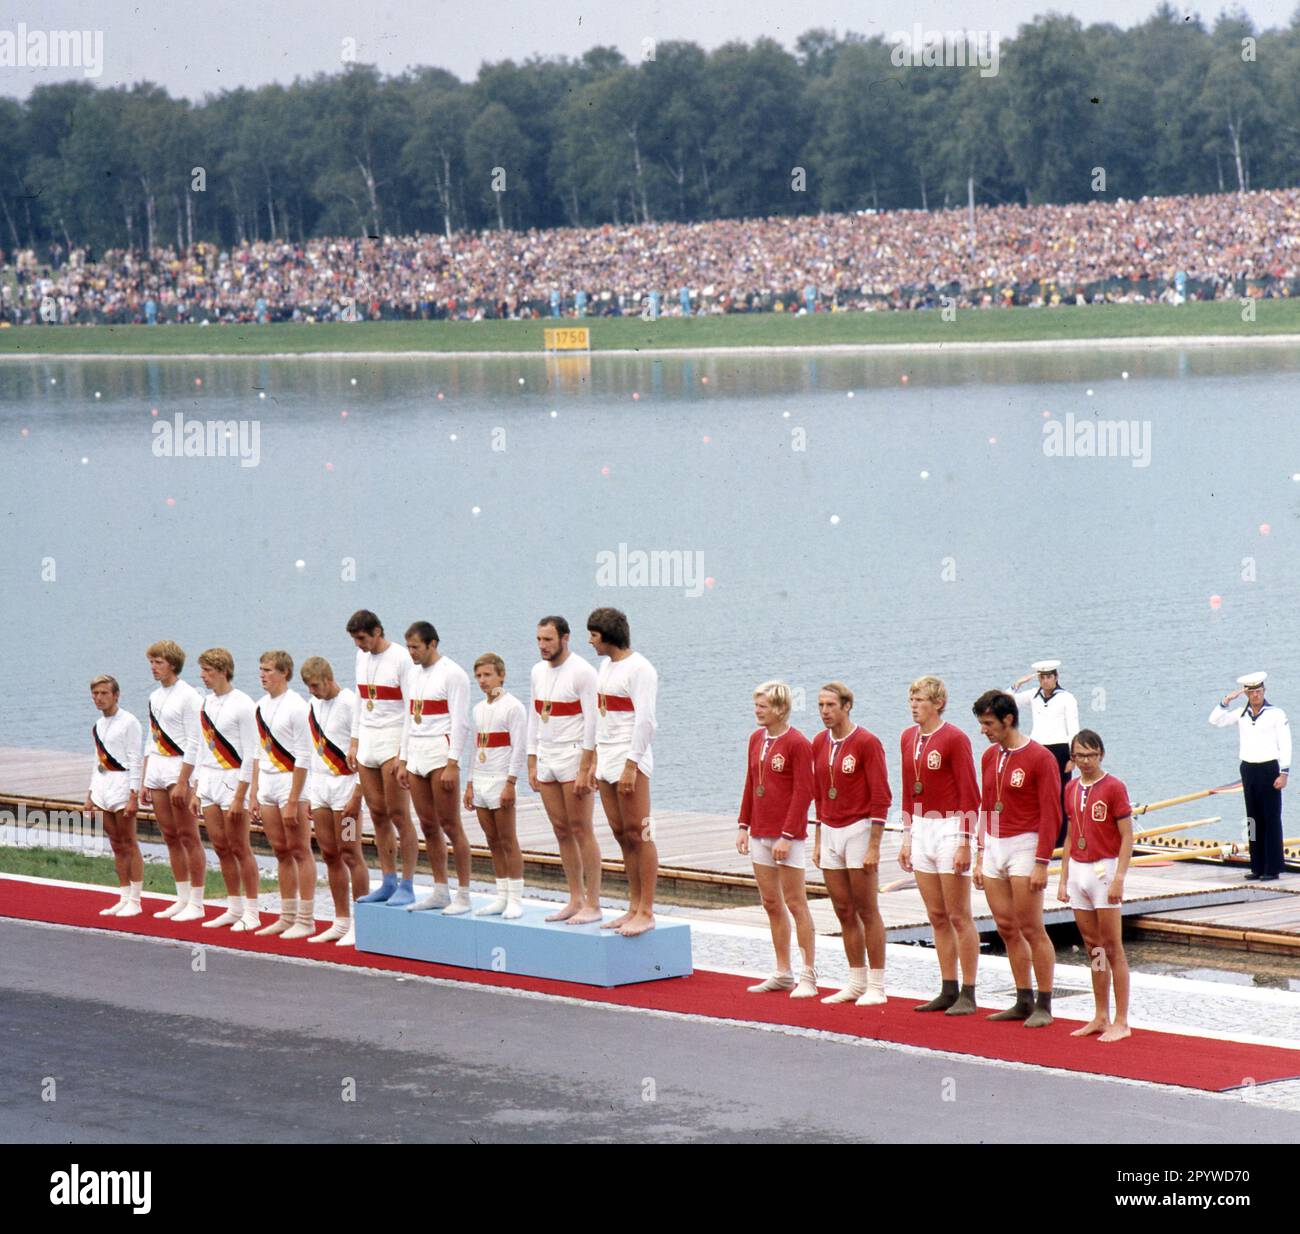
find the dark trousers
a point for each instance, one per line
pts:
(1061, 752)
(1264, 812)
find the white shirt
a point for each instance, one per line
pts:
(122, 738)
(334, 721)
(633, 677)
(444, 679)
(1262, 738)
(389, 668)
(286, 717)
(1056, 719)
(232, 715)
(175, 709)
(573, 681)
(505, 714)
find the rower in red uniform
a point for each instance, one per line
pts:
(1020, 814)
(852, 798)
(940, 808)
(1094, 861)
(773, 826)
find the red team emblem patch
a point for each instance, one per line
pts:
(1018, 778)
(1098, 811)
(933, 760)
(848, 764)
(778, 762)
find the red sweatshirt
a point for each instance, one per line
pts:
(858, 776)
(1028, 783)
(786, 776)
(944, 766)
(1095, 817)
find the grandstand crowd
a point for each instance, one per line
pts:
(1114, 251)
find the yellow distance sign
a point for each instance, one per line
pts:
(567, 338)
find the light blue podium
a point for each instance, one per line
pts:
(528, 946)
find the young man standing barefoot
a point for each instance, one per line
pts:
(627, 687)
(1094, 861)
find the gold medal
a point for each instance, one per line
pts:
(997, 806)
(482, 756)
(1082, 842)
(833, 793)
(917, 787)
(602, 709)
(760, 790)
(546, 710)
(370, 706)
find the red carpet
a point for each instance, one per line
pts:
(1161, 1058)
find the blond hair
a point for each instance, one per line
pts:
(105, 680)
(220, 659)
(280, 660)
(491, 657)
(931, 688)
(777, 694)
(841, 691)
(316, 668)
(169, 651)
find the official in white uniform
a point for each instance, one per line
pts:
(1055, 720)
(1265, 750)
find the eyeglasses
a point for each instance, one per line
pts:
(1086, 754)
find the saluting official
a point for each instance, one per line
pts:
(1056, 720)
(1265, 740)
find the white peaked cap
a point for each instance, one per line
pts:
(1250, 680)
(1046, 666)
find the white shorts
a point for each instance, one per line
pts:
(273, 787)
(487, 791)
(331, 792)
(162, 772)
(1010, 856)
(110, 790)
(760, 852)
(934, 843)
(427, 755)
(845, 848)
(558, 764)
(612, 760)
(217, 787)
(375, 746)
(1089, 882)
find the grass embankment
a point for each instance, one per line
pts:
(75, 867)
(631, 333)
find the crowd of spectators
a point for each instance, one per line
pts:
(1156, 248)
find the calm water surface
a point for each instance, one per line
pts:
(915, 527)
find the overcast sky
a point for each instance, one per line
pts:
(194, 47)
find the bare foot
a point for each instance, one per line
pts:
(585, 916)
(1093, 1026)
(618, 922)
(566, 912)
(642, 923)
(1116, 1032)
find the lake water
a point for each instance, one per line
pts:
(918, 526)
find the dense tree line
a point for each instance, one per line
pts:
(1169, 106)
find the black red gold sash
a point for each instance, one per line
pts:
(493, 740)
(614, 702)
(543, 707)
(330, 754)
(279, 757)
(106, 761)
(166, 746)
(388, 693)
(226, 755)
(428, 707)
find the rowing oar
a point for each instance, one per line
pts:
(1139, 836)
(1177, 801)
(1180, 854)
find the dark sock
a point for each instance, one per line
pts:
(945, 999)
(965, 1004)
(1043, 1001)
(1022, 1010)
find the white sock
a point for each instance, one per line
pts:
(858, 977)
(876, 978)
(183, 892)
(515, 888)
(288, 909)
(307, 912)
(196, 895)
(134, 892)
